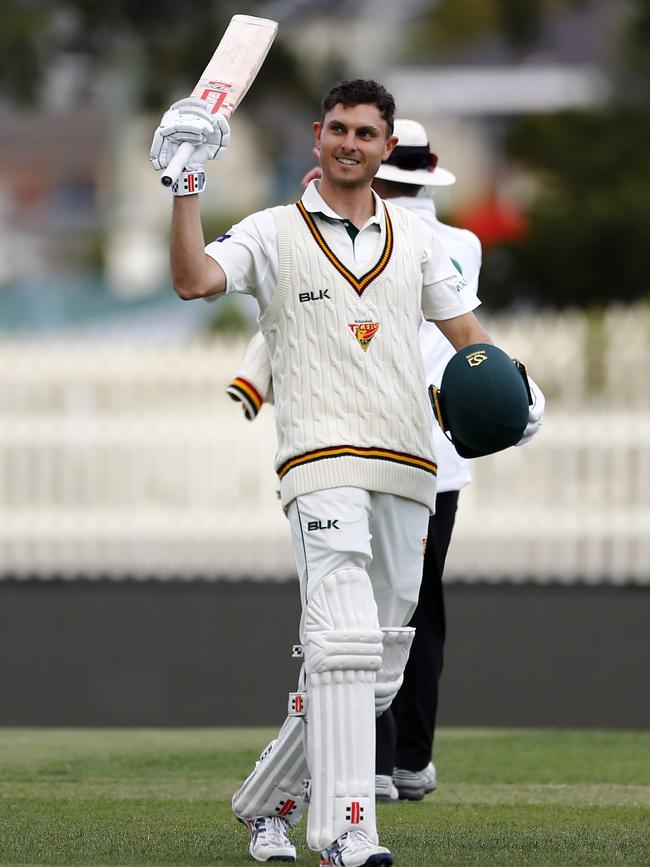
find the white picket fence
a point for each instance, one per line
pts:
(572, 505)
(129, 461)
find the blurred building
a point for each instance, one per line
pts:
(83, 218)
(54, 172)
(464, 96)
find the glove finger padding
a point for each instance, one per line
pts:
(535, 413)
(188, 120)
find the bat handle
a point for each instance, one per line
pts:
(175, 167)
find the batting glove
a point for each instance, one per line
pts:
(535, 412)
(188, 120)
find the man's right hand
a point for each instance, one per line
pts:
(314, 174)
(188, 120)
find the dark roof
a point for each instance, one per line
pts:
(61, 140)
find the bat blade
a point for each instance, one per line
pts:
(228, 75)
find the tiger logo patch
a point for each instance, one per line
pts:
(364, 332)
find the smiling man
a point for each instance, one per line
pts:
(352, 140)
(342, 280)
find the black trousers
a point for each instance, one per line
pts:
(406, 730)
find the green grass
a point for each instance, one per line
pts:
(506, 797)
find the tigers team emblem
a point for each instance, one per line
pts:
(364, 332)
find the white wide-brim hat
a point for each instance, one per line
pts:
(412, 161)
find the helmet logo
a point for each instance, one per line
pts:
(364, 332)
(476, 358)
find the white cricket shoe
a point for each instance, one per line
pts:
(354, 849)
(385, 791)
(269, 839)
(414, 785)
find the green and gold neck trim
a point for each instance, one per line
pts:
(359, 284)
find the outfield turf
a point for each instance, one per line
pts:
(506, 797)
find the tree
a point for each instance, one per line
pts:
(169, 39)
(587, 238)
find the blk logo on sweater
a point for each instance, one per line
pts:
(313, 296)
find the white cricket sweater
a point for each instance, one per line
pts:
(351, 405)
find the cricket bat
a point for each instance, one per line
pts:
(230, 72)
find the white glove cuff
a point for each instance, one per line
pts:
(190, 182)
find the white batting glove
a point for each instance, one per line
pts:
(535, 413)
(188, 120)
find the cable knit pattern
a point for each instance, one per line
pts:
(346, 416)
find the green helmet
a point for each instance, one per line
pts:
(482, 401)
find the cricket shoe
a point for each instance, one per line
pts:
(269, 839)
(355, 849)
(385, 791)
(414, 785)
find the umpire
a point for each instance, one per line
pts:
(405, 732)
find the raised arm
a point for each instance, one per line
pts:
(194, 274)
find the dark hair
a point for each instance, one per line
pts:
(360, 92)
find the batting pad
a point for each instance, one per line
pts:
(276, 786)
(342, 644)
(396, 641)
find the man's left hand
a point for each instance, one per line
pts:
(535, 413)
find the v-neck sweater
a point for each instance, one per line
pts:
(350, 396)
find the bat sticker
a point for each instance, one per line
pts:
(215, 93)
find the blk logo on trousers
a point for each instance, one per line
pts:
(330, 524)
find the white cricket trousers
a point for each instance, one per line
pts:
(383, 534)
(359, 556)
